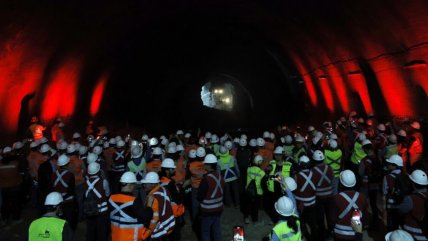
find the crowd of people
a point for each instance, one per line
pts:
(336, 179)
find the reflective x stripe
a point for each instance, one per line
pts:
(165, 197)
(217, 186)
(416, 233)
(334, 161)
(344, 230)
(307, 182)
(121, 215)
(323, 175)
(59, 178)
(120, 155)
(351, 203)
(91, 187)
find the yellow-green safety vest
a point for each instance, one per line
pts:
(391, 150)
(216, 149)
(288, 150)
(297, 155)
(285, 233)
(255, 173)
(286, 167)
(46, 229)
(227, 167)
(333, 158)
(358, 154)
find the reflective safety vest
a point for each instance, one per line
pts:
(255, 173)
(333, 159)
(177, 209)
(163, 216)
(154, 166)
(288, 150)
(345, 203)
(227, 167)
(46, 229)
(197, 170)
(216, 149)
(124, 227)
(118, 161)
(285, 172)
(137, 169)
(285, 233)
(298, 153)
(390, 150)
(180, 170)
(76, 167)
(95, 185)
(61, 179)
(306, 189)
(324, 184)
(413, 218)
(213, 200)
(358, 154)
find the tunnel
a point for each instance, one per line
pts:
(143, 63)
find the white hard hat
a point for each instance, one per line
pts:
(284, 206)
(304, 159)
(62, 145)
(153, 141)
(419, 177)
(415, 125)
(53, 152)
(34, 144)
(93, 168)
(311, 128)
(45, 148)
(172, 144)
(106, 145)
(299, 138)
(77, 146)
(17, 145)
(279, 150)
(63, 160)
(236, 140)
(347, 178)
(398, 235)
(282, 139)
(207, 135)
(162, 137)
(288, 139)
(157, 151)
(92, 157)
(44, 140)
(164, 142)
(76, 135)
(332, 144)
(192, 153)
(179, 148)
(258, 160)
(333, 137)
(260, 142)
(402, 133)
(118, 138)
(168, 163)
(223, 150)
(366, 142)
(242, 142)
(136, 152)
(202, 140)
(319, 134)
(381, 127)
(7, 149)
(291, 183)
(171, 150)
(187, 135)
(97, 150)
(112, 141)
(243, 136)
(228, 145)
(395, 159)
(210, 158)
(151, 177)
(120, 143)
(145, 137)
(179, 132)
(214, 139)
(83, 150)
(272, 136)
(71, 149)
(128, 177)
(315, 140)
(266, 134)
(318, 156)
(253, 143)
(53, 199)
(392, 139)
(200, 152)
(362, 136)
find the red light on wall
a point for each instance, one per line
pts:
(339, 87)
(326, 91)
(308, 81)
(97, 95)
(419, 63)
(358, 84)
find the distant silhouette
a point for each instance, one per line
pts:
(24, 115)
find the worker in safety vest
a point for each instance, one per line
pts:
(357, 154)
(269, 140)
(118, 166)
(77, 167)
(299, 148)
(44, 174)
(129, 217)
(176, 194)
(402, 146)
(264, 152)
(97, 217)
(395, 165)
(288, 226)
(57, 132)
(137, 164)
(323, 180)
(195, 175)
(36, 129)
(288, 146)
(159, 199)
(230, 172)
(413, 206)
(214, 145)
(333, 158)
(154, 163)
(180, 163)
(392, 147)
(253, 197)
(210, 196)
(64, 182)
(416, 142)
(50, 227)
(306, 197)
(345, 202)
(34, 159)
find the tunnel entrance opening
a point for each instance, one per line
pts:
(218, 96)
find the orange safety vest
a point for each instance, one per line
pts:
(37, 131)
(76, 167)
(267, 157)
(154, 166)
(57, 133)
(34, 159)
(177, 209)
(124, 226)
(163, 220)
(197, 170)
(180, 171)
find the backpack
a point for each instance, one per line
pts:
(423, 224)
(90, 205)
(251, 190)
(402, 187)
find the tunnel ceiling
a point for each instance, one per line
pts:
(109, 59)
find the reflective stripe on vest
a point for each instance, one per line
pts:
(138, 170)
(227, 166)
(308, 181)
(358, 153)
(285, 233)
(352, 203)
(344, 230)
(323, 191)
(288, 150)
(120, 216)
(91, 187)
(285, 172)
(415, 232)
(46, 229)
(213, 203)
(333, 159)
(164, 226)
(63, 183)
(298, 153)
(256, 174)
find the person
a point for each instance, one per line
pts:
(56, 131)
(398, 235)
(263, 151)
(129, 218)
(154, 163)
(118, 166)
(413, 207)
(243, 157)
(159, 200)
(253, 198)
(394, 165)
(345, 202)
(195, 175)
(34, 160)
(64, 183)
(77, 167)
(44, 174)
(230, 171)
(299, 148)
(333, 158)
(51, 226)
(288, 146)
(137, 164)
(36, 129)
(288, 226)
(416, 145)
(96, 190)
(357, 154)
(210, 196)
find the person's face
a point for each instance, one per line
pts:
(278, 157)
(149, 186)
